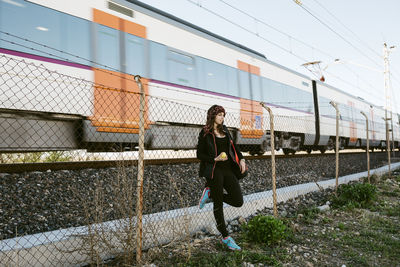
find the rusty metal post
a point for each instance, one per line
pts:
(139, 194)
(388, 143)
(337, 143)
(391, 123)
(273, 168)
(366, 119)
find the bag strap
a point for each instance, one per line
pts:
(230, 140)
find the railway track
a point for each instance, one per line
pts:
(98, 164)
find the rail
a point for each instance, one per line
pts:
(98, 164)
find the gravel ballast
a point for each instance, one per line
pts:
(44, 201)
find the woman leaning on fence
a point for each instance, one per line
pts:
(222, 164)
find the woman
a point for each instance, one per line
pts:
(219, 157)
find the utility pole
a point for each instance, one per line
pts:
(388, 105)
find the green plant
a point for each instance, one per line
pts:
(266, 230)
(354, 195)
(231, 259)
(309, 214)
(326, 220)
(56, 156)
(341, 226)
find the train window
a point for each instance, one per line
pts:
(107, 45)
(308, 102)
(134, 55)
(256, 87)
(278, 92)
(233, 86)
(215, 76)
(284, 95)
(271, 92)
(266, 88)
(158, 62)
(244, 84)
(303, 100)
(293, 98)
(181, 69)
(325, 108)
(76, 39)
(31, 22)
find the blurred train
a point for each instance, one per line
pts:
(185, 70)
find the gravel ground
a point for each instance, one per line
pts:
(367, 236)
(44, 201)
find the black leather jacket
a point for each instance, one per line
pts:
(207, 152)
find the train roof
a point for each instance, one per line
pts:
(145, 8)
(348, 94)
(166, 17)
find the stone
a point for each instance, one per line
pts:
(234, 223)
(241, 220)
(323, 207)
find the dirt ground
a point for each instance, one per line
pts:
(347, 236)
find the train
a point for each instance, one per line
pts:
(68, 83)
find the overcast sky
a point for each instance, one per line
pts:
(291, 34)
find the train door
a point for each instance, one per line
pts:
(119, 48)
(371, 129)
(352, 124)
(250, 109)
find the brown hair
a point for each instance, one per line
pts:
(211, 114)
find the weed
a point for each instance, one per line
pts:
(326, 220)
(230, 259)
(265, 230)
(309, 214)
(341, 226)
(56, 156)
(357, 259)
(354, 195)
(392, 210)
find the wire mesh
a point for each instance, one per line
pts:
(70, 217)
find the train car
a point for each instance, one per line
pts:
(83, 94)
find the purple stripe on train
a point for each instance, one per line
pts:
(46, 59)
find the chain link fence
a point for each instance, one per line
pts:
(146, 198)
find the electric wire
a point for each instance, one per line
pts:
(340, 36)
(336, 33)
(355, 86)
(280, 47)
(347, 28)
(356, 36)
(276, 29)
(247, 30)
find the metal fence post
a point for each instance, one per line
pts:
(139, 195)
(272, 140)
(388, 143)
(366, 118)
(337, 143)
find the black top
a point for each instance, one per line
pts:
(222, 146)
(206, 153)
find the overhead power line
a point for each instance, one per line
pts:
(347, 28)
(344, 39)
(281, 32)
(247, 30)
(276, 29)
(336, 33)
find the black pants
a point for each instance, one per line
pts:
(224, 178)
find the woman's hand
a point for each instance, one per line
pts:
(221, 157)
(242, 166)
